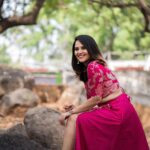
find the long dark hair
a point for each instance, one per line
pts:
(94, 52)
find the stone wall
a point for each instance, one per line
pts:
(136, 83)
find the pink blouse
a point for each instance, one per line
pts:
(101, 81)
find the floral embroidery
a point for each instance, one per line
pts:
(108, 83)
(99, 90)
(110, 76)
(101, 81)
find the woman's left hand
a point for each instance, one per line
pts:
(63, 117)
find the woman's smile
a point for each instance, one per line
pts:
(81, 52)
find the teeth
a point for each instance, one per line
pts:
(80, 56)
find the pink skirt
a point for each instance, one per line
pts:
(112, 126)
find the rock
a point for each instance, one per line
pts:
(48, 93)
(17, 129)
(42, 125)
(18, 142)
(9, 83)
(12, 79)
(29, 82)
(2, 92)
(19, 97)
(2, 131)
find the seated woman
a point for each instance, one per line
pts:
(114, 123)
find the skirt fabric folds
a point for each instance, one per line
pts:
(112, 126)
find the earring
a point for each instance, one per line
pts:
(78, 62)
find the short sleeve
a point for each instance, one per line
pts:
(95, 80)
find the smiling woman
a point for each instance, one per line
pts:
(81, 52)
(107, 113)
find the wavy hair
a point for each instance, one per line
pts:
(93, 51)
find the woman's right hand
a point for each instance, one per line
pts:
(69, 107)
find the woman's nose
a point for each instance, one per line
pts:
(80, 50)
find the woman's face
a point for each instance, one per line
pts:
(81, 52)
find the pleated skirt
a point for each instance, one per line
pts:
(112, 126)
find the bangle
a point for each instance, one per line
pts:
(70, 112)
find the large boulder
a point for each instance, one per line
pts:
(17, 129)
(49, 93)
(12, 79)
(2, 92)
(16, 138)
(18, 142)
(19, 97)
(42, 125)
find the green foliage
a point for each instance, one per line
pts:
(58, 78)
(145, 42)
(4, 58)
(119, 30)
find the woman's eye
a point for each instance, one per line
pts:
(83, 48)
(78, 48)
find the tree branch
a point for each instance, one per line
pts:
(145, 10)
(141, 5)
(119, 4)
(28, 19)
(1, 4)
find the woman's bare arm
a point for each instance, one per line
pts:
(87, 105)
(90, 103)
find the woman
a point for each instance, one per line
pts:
(107, 120)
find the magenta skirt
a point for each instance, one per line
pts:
(113, 126)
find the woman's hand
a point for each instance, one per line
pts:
(69, 107)
(63, 117)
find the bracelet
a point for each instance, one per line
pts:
(70, 112)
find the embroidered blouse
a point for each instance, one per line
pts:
(101, 81)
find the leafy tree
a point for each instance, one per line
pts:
(26, 16)
(143, 7)
(115, 28)
(31, 9)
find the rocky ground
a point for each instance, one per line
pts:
(14, 104)
(17, 115)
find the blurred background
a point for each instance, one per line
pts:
(36, 39)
